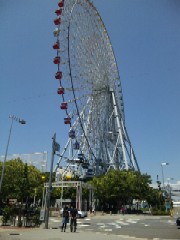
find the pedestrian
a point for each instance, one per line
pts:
(65, 219)
(90, 209)
(123, 210)
(93, 210)
(73, 221)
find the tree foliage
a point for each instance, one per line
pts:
(19, 180)
(118, 188)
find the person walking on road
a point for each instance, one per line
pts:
(65, 219)
(73, 221)
(122, 210)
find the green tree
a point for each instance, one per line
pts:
(117, 187)
(19, 180)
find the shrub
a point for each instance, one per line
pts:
(6, 215)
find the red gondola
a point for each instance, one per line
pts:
(60, 90)
(58, 12)
(58, 75)
(67, 120)
(57, 21)
(56, 45)
(56, 60)
(61, 3)
(64, 105)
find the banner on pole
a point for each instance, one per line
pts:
(56, 147)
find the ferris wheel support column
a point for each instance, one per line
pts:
(132, 157)
(119, 129)
(132, 152)
(79, 196)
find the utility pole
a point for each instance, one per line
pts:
(55, 147)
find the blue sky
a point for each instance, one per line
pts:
(145, 35)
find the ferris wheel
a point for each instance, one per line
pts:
(90, 92)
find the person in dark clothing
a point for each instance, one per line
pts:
(65, 219)
(73, 222)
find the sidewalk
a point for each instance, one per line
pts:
(56, 234)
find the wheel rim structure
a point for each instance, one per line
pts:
(90, 91)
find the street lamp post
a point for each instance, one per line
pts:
(55, 147)
(163, 164)
(5, 157)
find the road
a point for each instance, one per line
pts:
(106, 227)
(140, 226)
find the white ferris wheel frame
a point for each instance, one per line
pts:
(103, 151)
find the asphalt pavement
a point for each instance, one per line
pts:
(83, 233)
(56, 234)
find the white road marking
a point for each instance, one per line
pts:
(115, 225)
(118, 226)
(83, 225)
(111, 223)
(102, 226)
(131, 221)
(122, 223)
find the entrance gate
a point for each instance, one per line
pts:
(65, 184)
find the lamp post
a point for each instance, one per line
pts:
(21, 121)
(163, 164)
(55, 147)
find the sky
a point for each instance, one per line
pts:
(145, 36)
